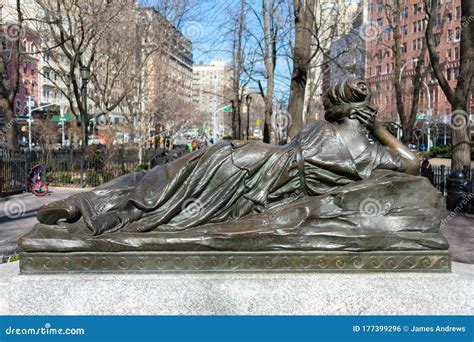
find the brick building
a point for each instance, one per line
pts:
(380, 58)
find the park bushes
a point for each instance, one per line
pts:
(445, 151)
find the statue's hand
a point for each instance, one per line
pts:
(366, 117)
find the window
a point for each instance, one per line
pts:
(458, 12)
(448, 74)
(405, 12)
(415, 26)
(405, 30)
(449, 16)
(456, 73)
(415, 44)
(404, 48)
(456, 53)
(378, 69)
(458, 35)
(25, 67)
(380, 22)
(450, 53)
(436, 38)
(450, 35)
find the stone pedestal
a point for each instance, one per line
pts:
(238, 293)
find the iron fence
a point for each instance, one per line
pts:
(77, 169)
(13, 171)
(441, 173)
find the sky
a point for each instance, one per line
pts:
(207, 26)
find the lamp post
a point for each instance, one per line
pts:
(248, 99)
(85, 75)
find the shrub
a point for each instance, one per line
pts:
(107, 176)
(65, 178)
(92, 178)
(50, 165)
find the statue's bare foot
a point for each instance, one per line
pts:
(51, 213)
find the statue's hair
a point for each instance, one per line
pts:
(343, 97)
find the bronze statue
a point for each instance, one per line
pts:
(329, 189)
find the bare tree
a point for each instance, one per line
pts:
(237, 71)
(10, 61)
(302, 56)
(460, 95)
(406, 112)
(316, 24)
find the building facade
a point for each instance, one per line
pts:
(334, 19)
(380, 73)
(212, 89)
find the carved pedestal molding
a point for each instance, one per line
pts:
(288, 261)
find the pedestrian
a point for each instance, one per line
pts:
(426, 168)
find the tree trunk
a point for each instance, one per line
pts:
(301, 63)
(459, 97)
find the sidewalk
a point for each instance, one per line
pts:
(18, 216)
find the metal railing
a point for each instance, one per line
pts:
(76, 169)
(441, 173)
(13, 171)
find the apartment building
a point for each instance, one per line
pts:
(380, 58)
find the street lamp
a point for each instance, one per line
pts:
(248, 99)
(85, 75)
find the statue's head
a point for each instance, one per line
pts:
(345, 98)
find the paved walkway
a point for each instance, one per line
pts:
(18, 216)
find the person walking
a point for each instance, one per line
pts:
(426, 168)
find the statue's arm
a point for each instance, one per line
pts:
(387, 139)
